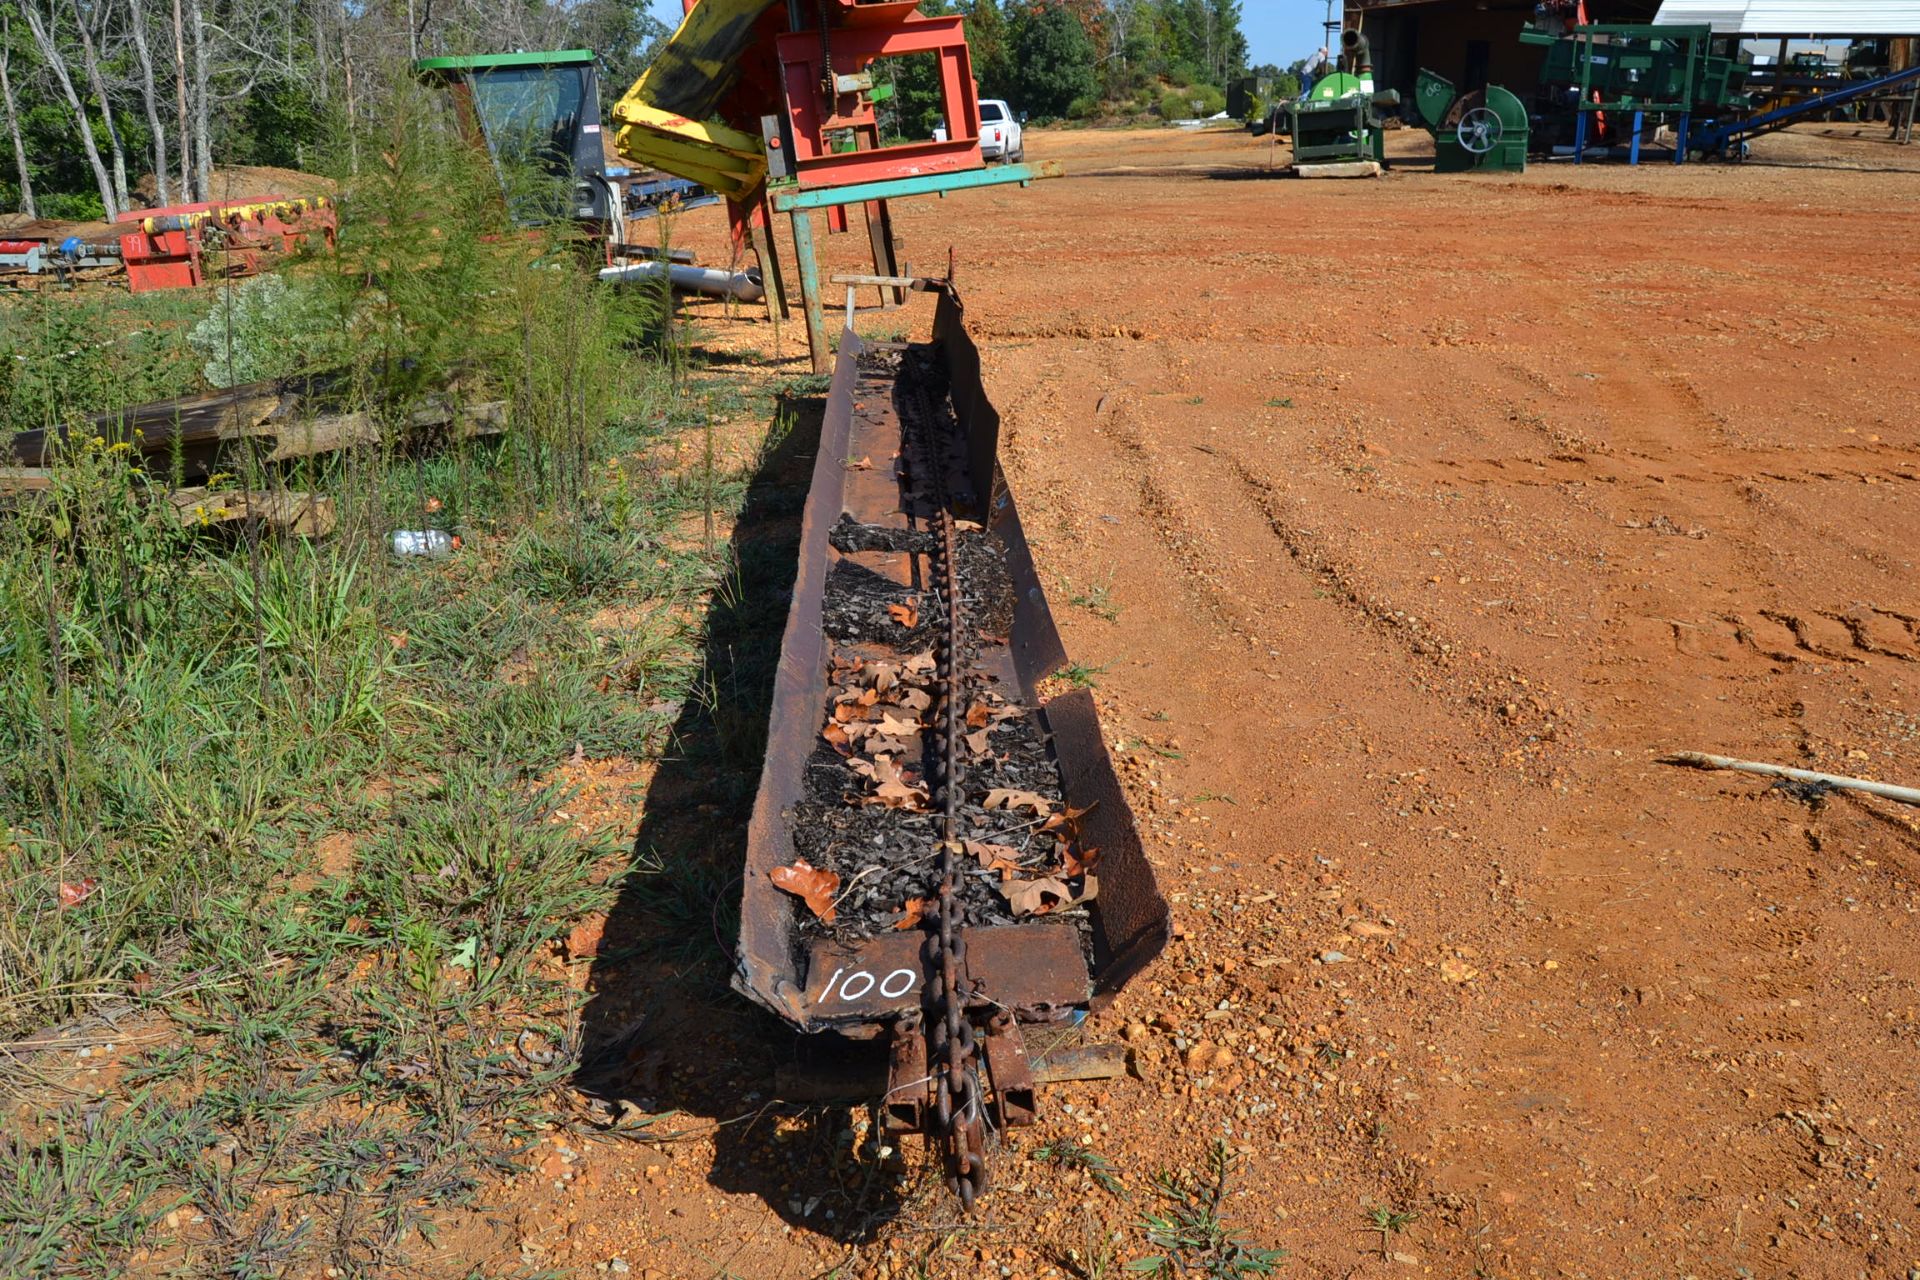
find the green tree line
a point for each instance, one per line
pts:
(1085, 58)
(107, 105)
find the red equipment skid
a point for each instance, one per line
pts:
(169, 248)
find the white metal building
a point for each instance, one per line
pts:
(1797, 17)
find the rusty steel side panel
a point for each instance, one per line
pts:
(1130, 918)
(1037, 648)
(765, 971)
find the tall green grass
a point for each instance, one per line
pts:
(189, 714)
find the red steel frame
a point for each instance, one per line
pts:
(803, 71)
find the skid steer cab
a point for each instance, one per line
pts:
(540, 112)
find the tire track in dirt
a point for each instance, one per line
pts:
(1506, 706)
(1784, 464)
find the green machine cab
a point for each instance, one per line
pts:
(1486, 129)
(536, 109)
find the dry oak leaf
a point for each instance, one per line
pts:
(914, 700)
(979, 715)
(75, 892)
(900, 795)
(892, 788)
(813, 885)
(994, 857)
(1010, 798)
(894, 727)
(861, 464)
(1078, 862)
(919, 663)
(1067, 820)
(1037, 897)
(914, 908)
(978, 742)
(907, 615)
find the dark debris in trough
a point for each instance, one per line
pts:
(885, 855)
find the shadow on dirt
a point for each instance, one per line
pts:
(663, 1032)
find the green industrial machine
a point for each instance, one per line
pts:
(1485, 129)
(1337, 123)
(1635, 65)
(1601, 74)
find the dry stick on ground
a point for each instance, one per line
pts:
(1701, 760)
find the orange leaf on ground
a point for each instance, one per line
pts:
(907, 615)
(73, 893)
(978, 715)
(862, 464)
(813, 885)
(585, 939)
(913, 909)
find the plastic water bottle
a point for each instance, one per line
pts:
(424, 542)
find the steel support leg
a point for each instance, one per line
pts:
(809, 266)
(1680, 139)
(768, 251)
(1633, 151)
(1579, 137)
(880, 235)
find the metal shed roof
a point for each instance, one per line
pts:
(1797, 17)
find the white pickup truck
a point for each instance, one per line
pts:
(1000, 133)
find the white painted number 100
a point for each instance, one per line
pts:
(852, 986)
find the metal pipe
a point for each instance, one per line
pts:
(743, 285)
(1356, 53)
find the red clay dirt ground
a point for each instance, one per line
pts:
(1430, 510)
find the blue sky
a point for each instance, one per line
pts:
(1278, 31)
(1283, 31)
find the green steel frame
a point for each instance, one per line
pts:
(552, 58)
(801, 202)
(1694, 37)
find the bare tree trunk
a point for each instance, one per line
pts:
(150, 99)
(202, 133)
(353, 123)
(56, 63)
(180, 93)
(99, 87)
(320, 50)
(13, 120)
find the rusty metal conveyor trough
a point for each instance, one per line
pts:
(952, 1000)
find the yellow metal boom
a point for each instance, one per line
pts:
(666, 119)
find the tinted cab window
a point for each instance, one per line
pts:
(990, 113)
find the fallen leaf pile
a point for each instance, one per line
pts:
(1071, 882)
(876, 719)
